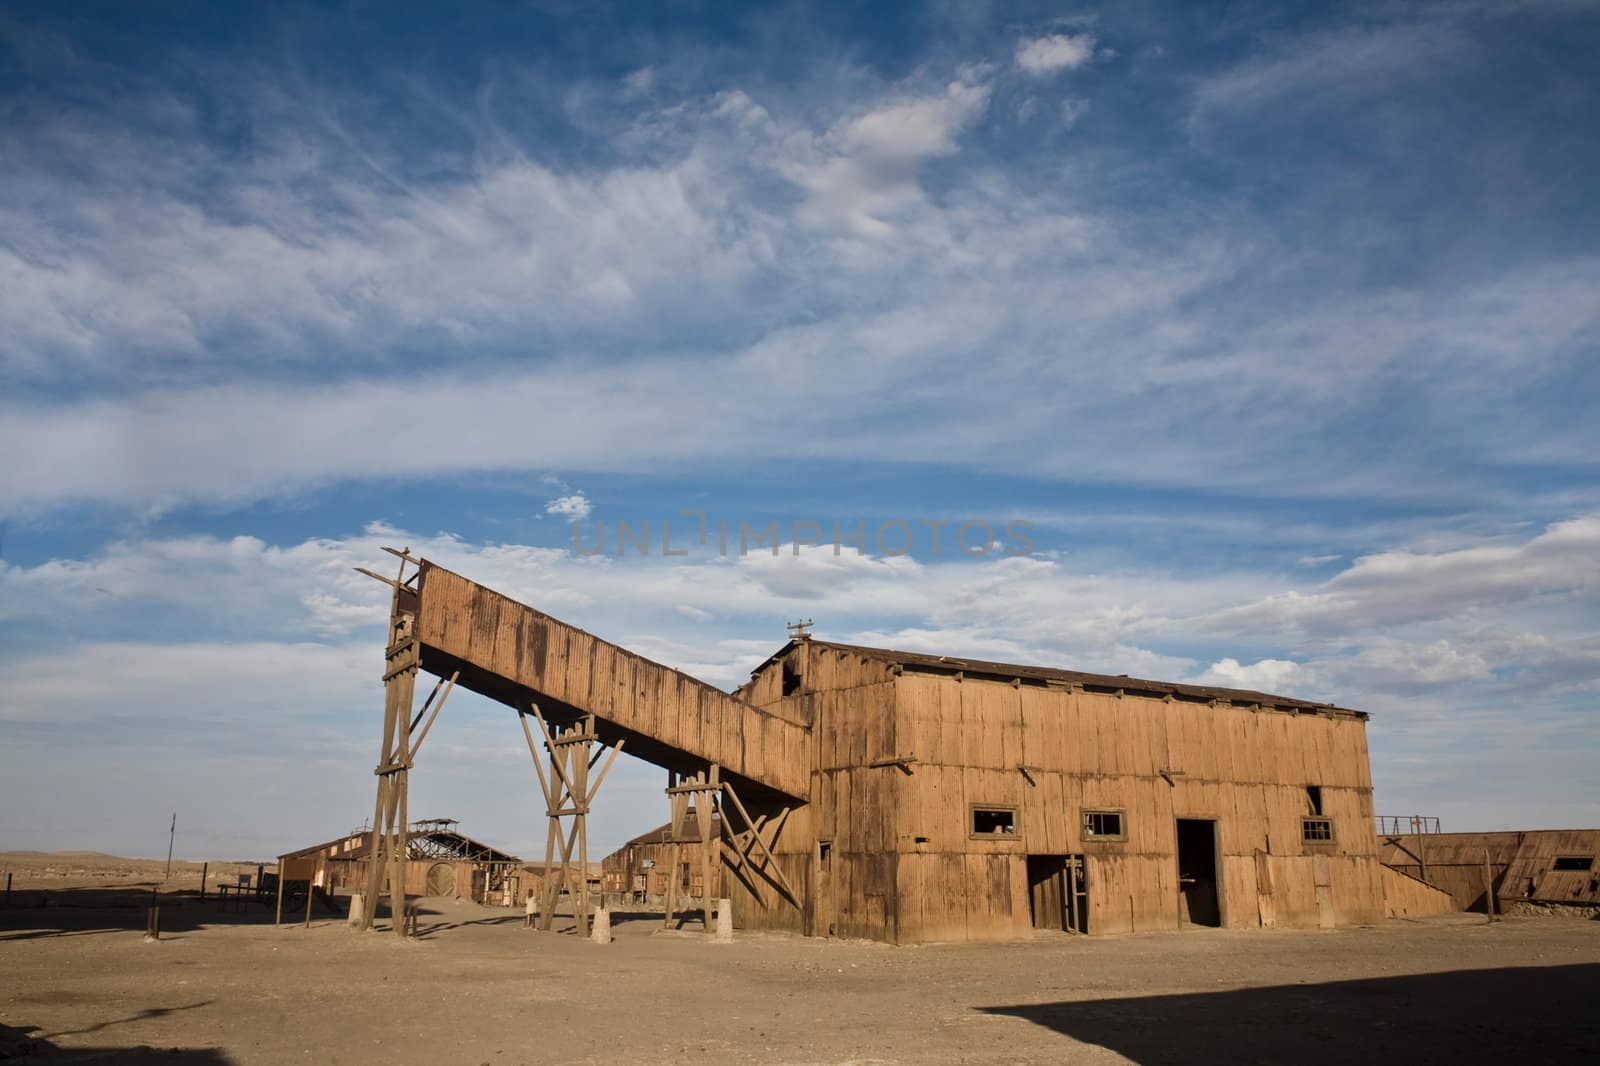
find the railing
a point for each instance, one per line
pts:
(1394, 825)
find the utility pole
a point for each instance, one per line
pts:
(171, 836)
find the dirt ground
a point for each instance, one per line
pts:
(78, 982)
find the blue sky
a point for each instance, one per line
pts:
(1277, 326)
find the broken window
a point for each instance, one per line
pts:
(994, 821)
(791, 678)
(824, 851)
(1573, 862)
(1316, 830)
(1314, 796)
(1103, 825)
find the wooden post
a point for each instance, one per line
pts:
(672, 883)
(547, 888)
(580, 782)
(705, 803)
(311, 894)
(152, 919)
(278, 918)
(1488, 886)
(674, 799)
(204, 868)
(8, 888)
(172, 835)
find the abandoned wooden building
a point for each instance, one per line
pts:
(1546, 871)
(440, 861)
(637, 872)
(907, 797)
(955, 799)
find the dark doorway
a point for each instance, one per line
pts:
(1056, 895)
(1198, 903)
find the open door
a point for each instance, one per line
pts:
(1047, 891)
(1056, 896)
(1198, 900)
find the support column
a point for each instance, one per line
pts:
(568, 794)
(701, 788)
(388, 848)
(387, 851)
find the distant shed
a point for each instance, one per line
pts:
(638, 871)
(1532, 871)
(441, 861)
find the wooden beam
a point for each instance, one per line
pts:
(391, 582)
(411, 756)
(779, 879)
(904, 762)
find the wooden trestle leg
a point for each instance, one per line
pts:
(389, 847)
(702, 789)
(568, 793)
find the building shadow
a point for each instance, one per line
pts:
(1517, 1014)
(23, 1043)
(40, 913)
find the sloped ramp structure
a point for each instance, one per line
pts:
(584, 693)
(515, 654)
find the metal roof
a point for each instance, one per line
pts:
(948, 664)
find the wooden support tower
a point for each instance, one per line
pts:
(390, 845)
(698, 792)
(568, 793)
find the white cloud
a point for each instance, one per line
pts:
(1400, 586)
(1046, 55)
(1266, 675)
(575, 506)
(863, 172)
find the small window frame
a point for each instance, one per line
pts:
(1104, 838)
(1009, 808)
(1569, 864)
(1311, 841)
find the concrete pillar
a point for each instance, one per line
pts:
(724, 921)
(358, 910)
(601, 933)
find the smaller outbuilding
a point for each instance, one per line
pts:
(1540, 871)
(637, 872)
(442, 861)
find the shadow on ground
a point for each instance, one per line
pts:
(1527, 1014)
(84, 911)
(23, 1043)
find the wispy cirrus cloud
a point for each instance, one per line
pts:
(241, 336)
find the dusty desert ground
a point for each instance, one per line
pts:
(78, 983)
